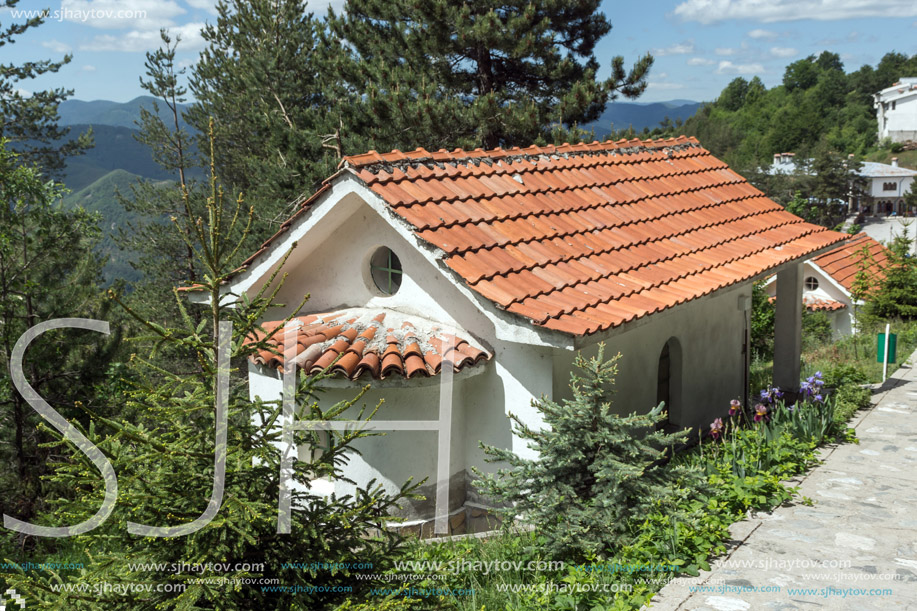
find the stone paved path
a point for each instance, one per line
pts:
(859, 537)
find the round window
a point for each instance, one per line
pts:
(385, 269)
(811, 283)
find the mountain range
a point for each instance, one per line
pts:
(118, 159)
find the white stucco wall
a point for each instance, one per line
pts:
(710, 332)
(841, 320)
(898, 123)
(877, 186)
(332, 265)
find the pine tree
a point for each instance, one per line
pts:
(166, 459)
(445, 73)
(168, 210)
(896, 296)
(48, 270)
(596, 471)
(910, 197)
(864, 283)
(28, 120)
(280, 115)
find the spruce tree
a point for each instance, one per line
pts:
(165, 211)
(596, 471)
(446, 73)
(864, 283)
(165, 455)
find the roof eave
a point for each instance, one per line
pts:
(587, 340)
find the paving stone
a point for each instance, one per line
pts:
(860, 535)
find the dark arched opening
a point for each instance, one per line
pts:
(668, 381)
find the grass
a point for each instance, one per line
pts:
(858, 353)
(907, 159)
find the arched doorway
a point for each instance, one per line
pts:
(668, 381)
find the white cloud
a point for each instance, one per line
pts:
(724, 51)
(700, 61)
(770, 11)
(783, 51)
(682, 48)
(56, 46)
(727, 67)
(762, 34)
(23, 92)
(89, 68)
(206, 5)
(138, 41)
(121, 14)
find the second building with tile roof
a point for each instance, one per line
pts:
(829, 280)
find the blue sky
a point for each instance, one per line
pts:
(699, 45)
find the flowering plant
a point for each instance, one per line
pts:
(716, 428)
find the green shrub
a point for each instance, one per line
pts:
(816, 328)
(596, 470)
(762, 324)
(845, 374)
(848, 399)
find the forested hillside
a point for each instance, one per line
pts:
(818, 105)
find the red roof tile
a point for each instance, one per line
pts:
(817, 304)
(842, 264)
(583, 238)
(363, 344)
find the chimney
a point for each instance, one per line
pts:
(894, 162)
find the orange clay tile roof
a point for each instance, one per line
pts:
(582, 238)
(411, 347)
(817, 304)
(842, 263)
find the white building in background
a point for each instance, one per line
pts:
(896, 110)
(886, 186)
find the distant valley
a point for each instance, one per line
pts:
(116, 162)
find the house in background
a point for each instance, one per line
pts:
(784, 163)
(886, 187)
(896, 110)
(498, 266)
(828, 280)
(886, 184)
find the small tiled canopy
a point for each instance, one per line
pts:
(585, 237)
(817, 304)
(367, 346)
